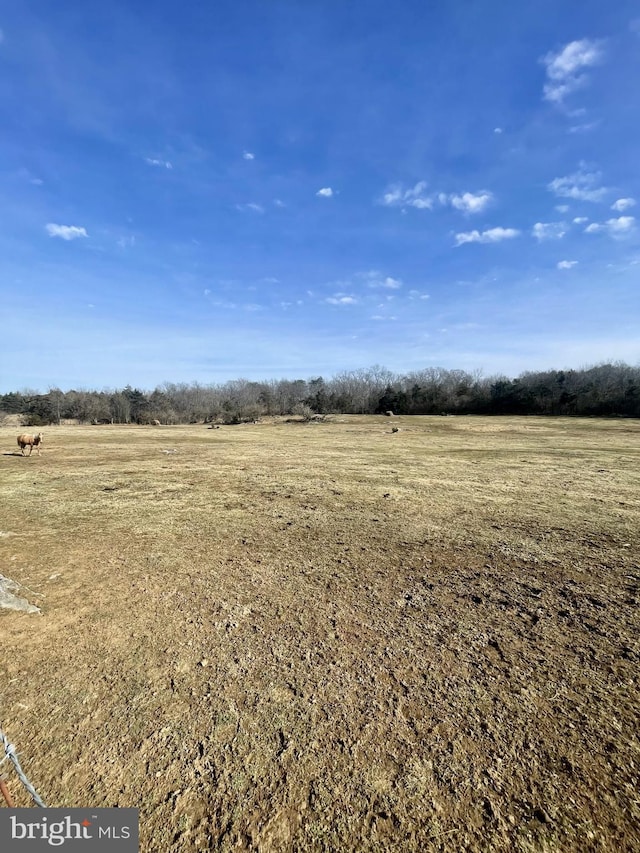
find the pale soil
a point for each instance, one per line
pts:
(326, 637)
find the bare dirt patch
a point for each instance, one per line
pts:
(330, 637)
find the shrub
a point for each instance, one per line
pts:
(303, 411)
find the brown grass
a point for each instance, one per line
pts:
(327, 637)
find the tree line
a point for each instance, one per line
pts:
(604, 390)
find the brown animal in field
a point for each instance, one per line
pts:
(30, 440)
(395, 429)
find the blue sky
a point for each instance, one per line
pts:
(205, 191)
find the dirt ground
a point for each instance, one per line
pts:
(329, 637)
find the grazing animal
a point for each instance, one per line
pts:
(156, 423)
(33, 441)
(395, 429)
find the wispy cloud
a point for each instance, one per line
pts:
(251, 205)
(498, 130)
(566, 265)
(583, 128)
(549, 230)
(65, 232)
(341, 299)
(492, 235)
(581, 186)
(325, 192)
(565, 68)
(615, 227)
(580, 220)
(376, 280)
(247, 155)
(392, 283)
(25, 174)
(623, 204)
(467, 202)
(396, 196)
(164, 164)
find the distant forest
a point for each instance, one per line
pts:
(605, 390)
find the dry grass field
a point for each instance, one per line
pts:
(325, 637)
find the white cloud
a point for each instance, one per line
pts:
(623, 204)
(388, 282)
(615, 227)
(126, 242)
(206, 291)
(374, 278)
(621, 224)
(549, 230)
(580, 220)
(153, 162)
(493, 235)
(421, 203)
(414, 197)
(583, 128)
(247, 155)
(256, 208)
(566, 265)
(27, 176)
(582, 186)
(468, 202)
(564, 68)
(325, 192)
(65, 232)
(340, 299)
(498, 130)
(278, 203)
(562, 208)
(392, 197)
